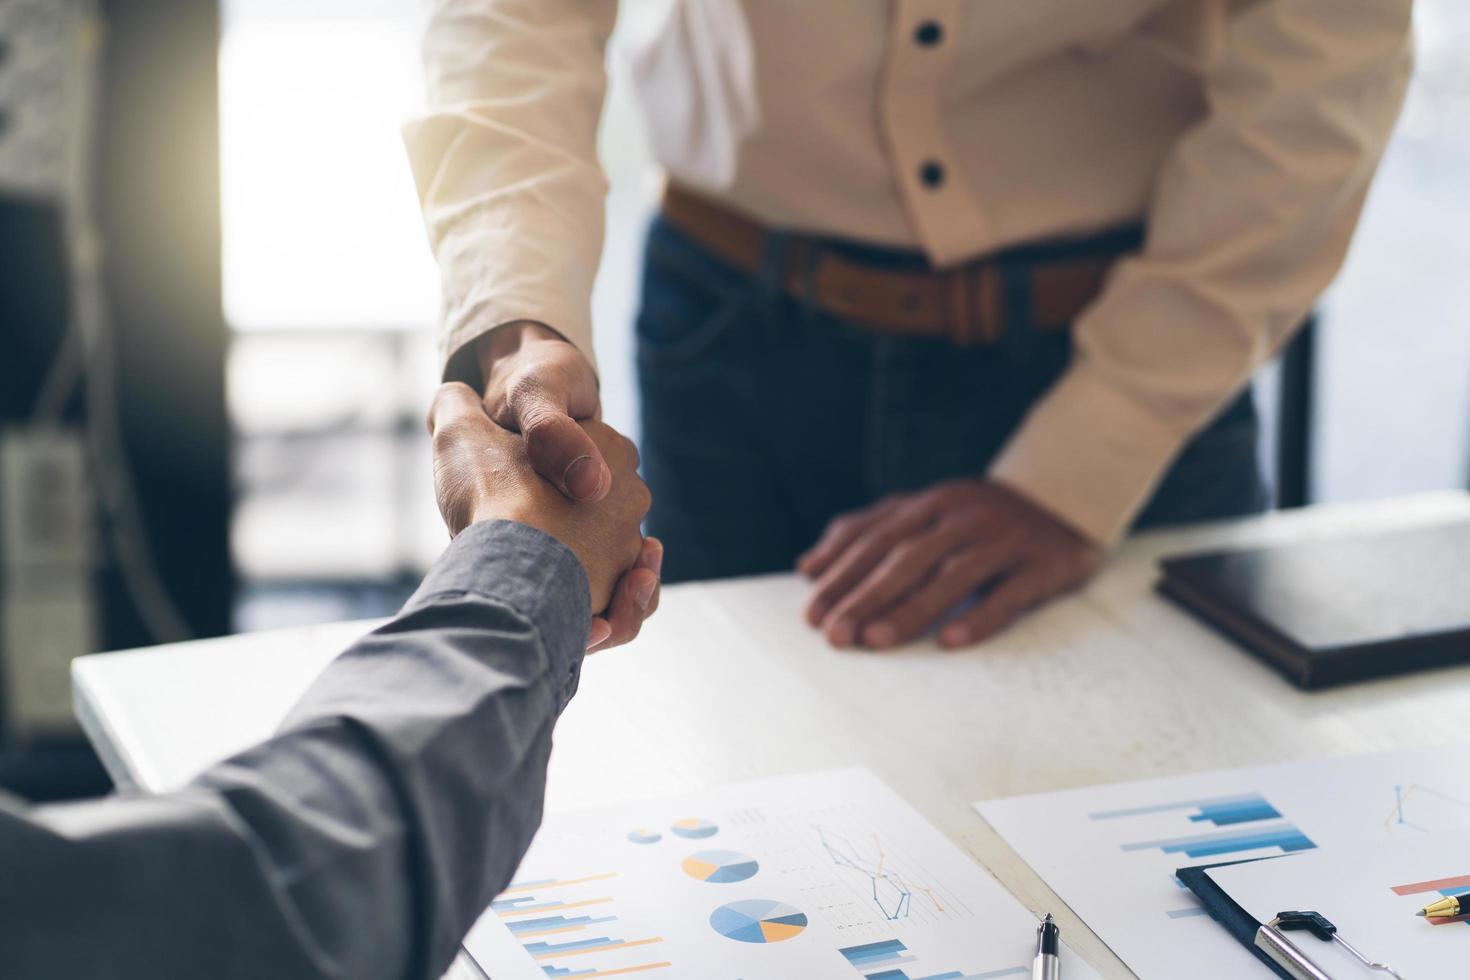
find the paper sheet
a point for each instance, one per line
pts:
(1371, 895)
(1110, 852)
(829, 875)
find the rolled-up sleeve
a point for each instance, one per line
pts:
(505, 160)
(1251, 217)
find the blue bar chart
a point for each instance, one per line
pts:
(1246, 822)
(555, 919)
(1220, 810)
(886, 960)
(1282, 836)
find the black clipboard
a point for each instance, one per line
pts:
(1227, 911)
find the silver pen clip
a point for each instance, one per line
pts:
(1271, 939)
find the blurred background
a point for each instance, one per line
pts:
(217, 307)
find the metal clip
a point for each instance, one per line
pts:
(1271, 939)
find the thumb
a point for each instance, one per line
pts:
(559, 449)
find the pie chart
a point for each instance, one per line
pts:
(695, 827)
(642, 835)
(720, 867)
(757, 921)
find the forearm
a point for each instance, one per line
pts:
(1252, 214)
(506, 163)
(364, 839)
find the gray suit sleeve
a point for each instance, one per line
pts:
(360, 842)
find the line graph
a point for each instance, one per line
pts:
(1421, 808)
(892, 892)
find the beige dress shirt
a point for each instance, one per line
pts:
(1245, 134)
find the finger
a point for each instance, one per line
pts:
(635, 597)
(454, 403)
(1024, 588)
(861, 557)
(901, 571)
(459, 430)
(629, 607)
(598, 633)
(959, 575)
(559, 449)
(618, 451)
(839, 533)
(653, 559)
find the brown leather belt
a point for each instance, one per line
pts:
(965, 304)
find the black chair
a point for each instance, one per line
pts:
(1294, 418)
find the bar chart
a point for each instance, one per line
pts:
(1438, 888)
(892, 960)
(822, 876)
(555, 920)
(1248, 823)
(1111, 852)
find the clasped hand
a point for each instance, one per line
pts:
(484, 472)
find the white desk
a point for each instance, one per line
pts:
(727, 684)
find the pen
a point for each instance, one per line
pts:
(1048, 964)
(1448, 907)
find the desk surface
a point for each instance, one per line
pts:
(726, 683)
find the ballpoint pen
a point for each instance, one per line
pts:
(1447, 907)
(1048, 962)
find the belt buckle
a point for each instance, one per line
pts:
(974, 294)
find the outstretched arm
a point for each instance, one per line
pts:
(505, 159)
(360, 842)
(366, 837)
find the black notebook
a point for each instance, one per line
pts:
(1327, 612)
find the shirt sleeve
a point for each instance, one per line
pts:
(1250, 219)
(505, 160)
(365, 838)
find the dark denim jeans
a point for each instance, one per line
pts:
(763, 418)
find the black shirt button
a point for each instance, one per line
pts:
(932, 173)
(928, 34)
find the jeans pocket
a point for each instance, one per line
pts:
(689, 302)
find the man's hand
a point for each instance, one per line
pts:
(482, 472)
(889, 572)
(538, 384)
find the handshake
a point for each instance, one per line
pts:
(483, 472)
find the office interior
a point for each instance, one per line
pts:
(218, 307)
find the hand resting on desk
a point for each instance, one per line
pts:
(886, 574)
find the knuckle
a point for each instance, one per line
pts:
(909, 554)
(625, 629)
(915, 506)
(968, 520)
(957, 563)
(448, 434)
(621, 453)
(841, 525)
(524, 389)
